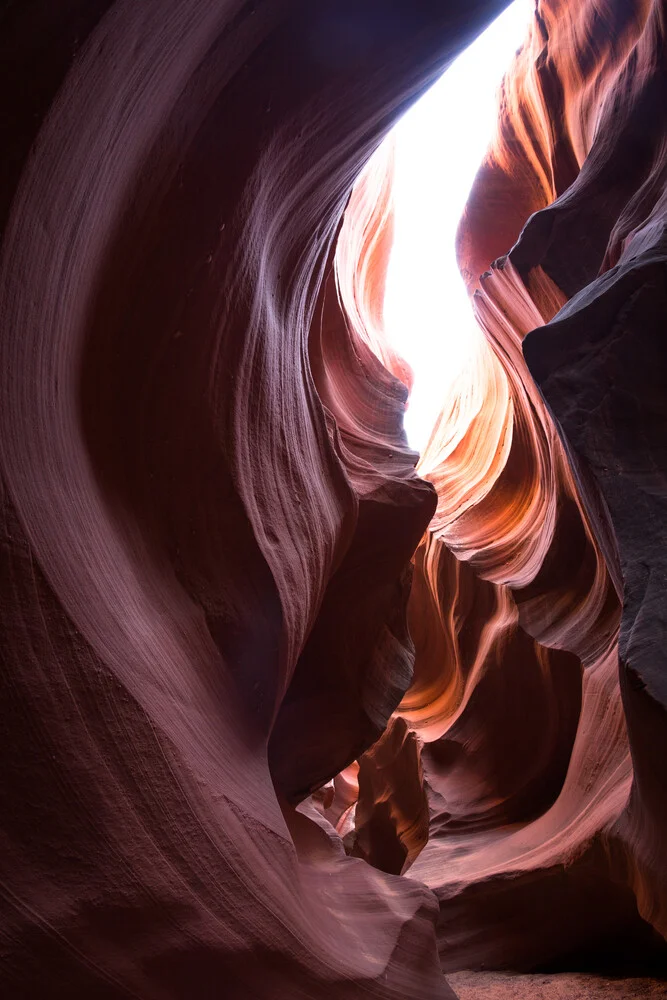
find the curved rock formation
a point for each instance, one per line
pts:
(544, 836)
(573, 135)
(205, 568)
(251, 746)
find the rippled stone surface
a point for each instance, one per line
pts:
(283, 715)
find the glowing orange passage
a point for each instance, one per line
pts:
(508, 510)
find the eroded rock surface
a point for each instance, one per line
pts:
(255, 665)
(541, 761)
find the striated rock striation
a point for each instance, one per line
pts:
(547, 804)
(205, 564)
(283, 714)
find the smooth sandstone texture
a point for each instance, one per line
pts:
(205, 567)
(543, 766)
(264, 734)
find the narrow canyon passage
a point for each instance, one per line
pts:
(492, 764)
(289, 709)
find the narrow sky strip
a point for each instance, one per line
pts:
(440, 144)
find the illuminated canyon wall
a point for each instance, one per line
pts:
(264, 734)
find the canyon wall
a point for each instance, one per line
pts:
(208, 513)
(542, 723)
(264, 734)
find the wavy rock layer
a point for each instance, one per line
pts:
(540, 762)
(209, 509)
(235, 709)
(575, 147)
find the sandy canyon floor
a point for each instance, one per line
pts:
(557, 986)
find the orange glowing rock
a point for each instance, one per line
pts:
(245, 683)
(542, 839)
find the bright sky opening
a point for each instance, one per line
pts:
(440, 144)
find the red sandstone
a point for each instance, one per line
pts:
(283, 715)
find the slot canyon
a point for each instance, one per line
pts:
(290, 710)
